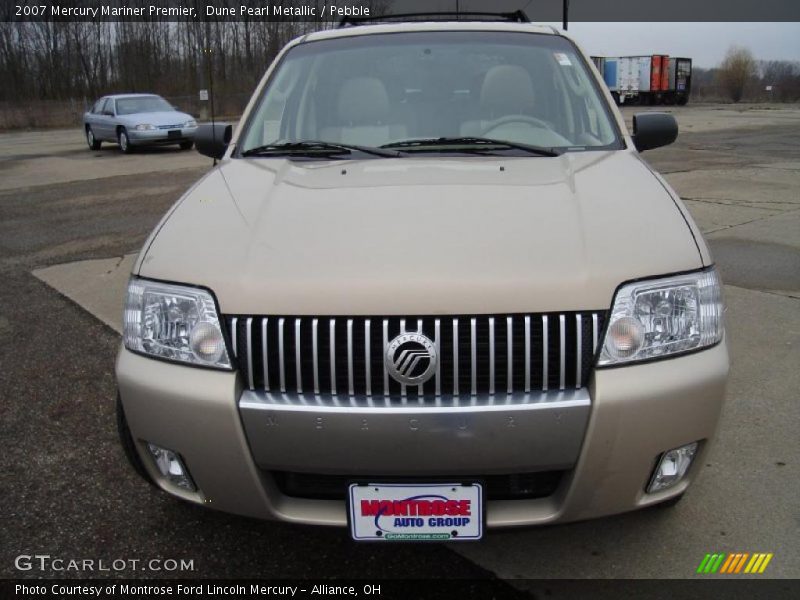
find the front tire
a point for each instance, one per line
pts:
(186, 145)
(93, 143)
(124, 142)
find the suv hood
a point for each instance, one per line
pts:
(422, 235)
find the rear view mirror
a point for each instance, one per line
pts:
(213, 139)
(653, 130)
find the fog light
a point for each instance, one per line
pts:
(672, 467)
(171, 467)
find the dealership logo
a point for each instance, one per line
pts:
(735, 563)
(411, 358)
(419, 512)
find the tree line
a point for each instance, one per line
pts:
(740, 77)
(76, 60)
(51, 71)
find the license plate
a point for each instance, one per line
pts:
(174, 133)
(416, 512)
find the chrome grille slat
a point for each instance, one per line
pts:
(350, 386)
(578, 344)
(367, 356)
(562, 364)
(250, 352)
(385, 345)
(332, 330)
(420, 387)
(527, 353)
(491, 355)
(455, 357)
(437, 336)
(280, 355)
(473, 355)
(297, 358)
(315, 352)
(264, 354)
(510, 355)
(545, 357)
(531, 353)
(402, 330)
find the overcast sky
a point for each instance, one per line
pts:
(706, 43)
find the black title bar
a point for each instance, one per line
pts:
(333, 11)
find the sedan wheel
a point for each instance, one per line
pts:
(124, 143)
(94, 144)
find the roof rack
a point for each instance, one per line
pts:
(517, 16)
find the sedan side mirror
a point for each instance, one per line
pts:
(653, 130)
(213, 139)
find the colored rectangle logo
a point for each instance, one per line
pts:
(734, 563)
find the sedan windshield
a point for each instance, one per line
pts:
(142, 104)
(460, 91)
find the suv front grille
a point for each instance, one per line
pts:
(517, 486)
(478, 355)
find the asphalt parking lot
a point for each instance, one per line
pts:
(69, 492)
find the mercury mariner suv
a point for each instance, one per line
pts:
(430, 287)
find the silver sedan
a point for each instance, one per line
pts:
(132, 120)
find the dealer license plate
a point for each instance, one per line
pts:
(416, 512)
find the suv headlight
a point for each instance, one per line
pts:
(174, 322)
(662, 317)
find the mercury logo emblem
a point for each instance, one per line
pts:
(411, 358)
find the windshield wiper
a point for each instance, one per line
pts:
(476, 143)
(316, 148)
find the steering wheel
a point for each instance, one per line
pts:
(516, 119)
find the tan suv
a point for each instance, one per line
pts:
(430, 287)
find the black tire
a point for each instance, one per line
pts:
(91, 141)
(186, 145)
(124, 141)
(682, 100)
(129, 446)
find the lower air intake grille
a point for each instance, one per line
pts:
(518, 486)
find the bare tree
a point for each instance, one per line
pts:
(783, 77)
(737, 70)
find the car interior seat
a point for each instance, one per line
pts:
(364, 115)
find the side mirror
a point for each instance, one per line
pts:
(653, 130)
(213, 139)
(108, 113)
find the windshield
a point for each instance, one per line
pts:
(380, 89)
(142, 104)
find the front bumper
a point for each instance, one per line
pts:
(160, 136)
(606, 437)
